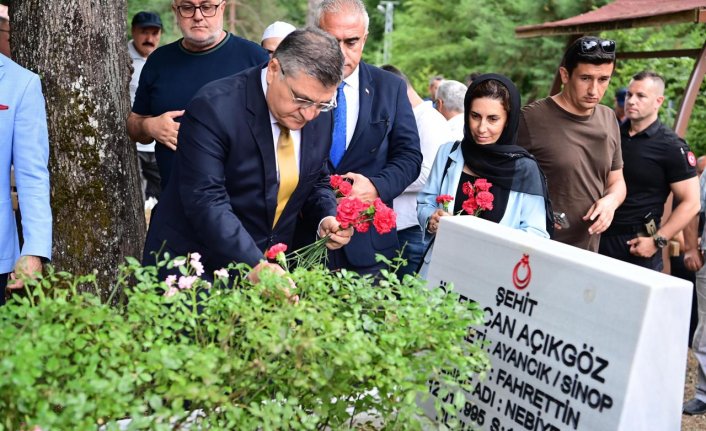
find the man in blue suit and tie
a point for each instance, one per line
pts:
(252, 155)
(375, 142)
(23, 143)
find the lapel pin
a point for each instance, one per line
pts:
(4, 107)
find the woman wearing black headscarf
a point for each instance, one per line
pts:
(489, 150)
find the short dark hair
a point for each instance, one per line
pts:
(575, 54)
(492, 89)
(395, 71)
(471, 77)
(313, 52)
(648, 74)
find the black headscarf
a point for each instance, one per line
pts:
(504, 164)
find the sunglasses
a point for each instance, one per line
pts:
(591, 45)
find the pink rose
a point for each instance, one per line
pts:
(171, 292)
(186, 281)
(221, 273)
(197, 266)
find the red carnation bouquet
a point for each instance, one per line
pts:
(350, 212)
(479, 197)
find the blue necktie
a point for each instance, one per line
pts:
(338, 139)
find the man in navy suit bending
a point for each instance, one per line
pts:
(374, 141)
(252, 154)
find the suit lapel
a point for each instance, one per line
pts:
(258, 121)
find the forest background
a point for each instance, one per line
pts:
(455, 37)
(79, 50)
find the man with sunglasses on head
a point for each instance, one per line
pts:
(252, 155)
(577, 143)
(174, 72)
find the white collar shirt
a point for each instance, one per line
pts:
(352, 92)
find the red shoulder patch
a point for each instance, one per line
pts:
(691, 158)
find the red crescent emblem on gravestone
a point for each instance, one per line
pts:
(522, 274)
(691, 158)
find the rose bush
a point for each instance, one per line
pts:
(244, 355)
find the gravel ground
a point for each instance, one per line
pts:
(691, 423)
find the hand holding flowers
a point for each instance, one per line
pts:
(336, 234)
(351, 213)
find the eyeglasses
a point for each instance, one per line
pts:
(590, 45)
(207, 10)
(306, 103)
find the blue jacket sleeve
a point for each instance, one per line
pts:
(30, 154)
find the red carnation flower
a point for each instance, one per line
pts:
(345, 188)
(384, 220)
(272, 252)
(467, 188)
(443, 199)
(362, 227)
(348, 211)
(484, 199)
(470, 205)
(335, 181)
(482, 185)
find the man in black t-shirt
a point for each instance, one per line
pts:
(656, 162)
(173, 73)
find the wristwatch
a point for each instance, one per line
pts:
(660, 241)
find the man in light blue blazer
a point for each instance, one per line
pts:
(24, 144)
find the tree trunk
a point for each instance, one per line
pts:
(78, 48)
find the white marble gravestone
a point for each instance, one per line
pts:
(577, 341)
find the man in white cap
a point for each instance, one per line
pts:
(274, 34)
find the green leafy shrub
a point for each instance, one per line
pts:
(247, 357)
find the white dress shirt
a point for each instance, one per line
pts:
(352, 92)
(455, 125)
(138, 62)
(433, 133)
